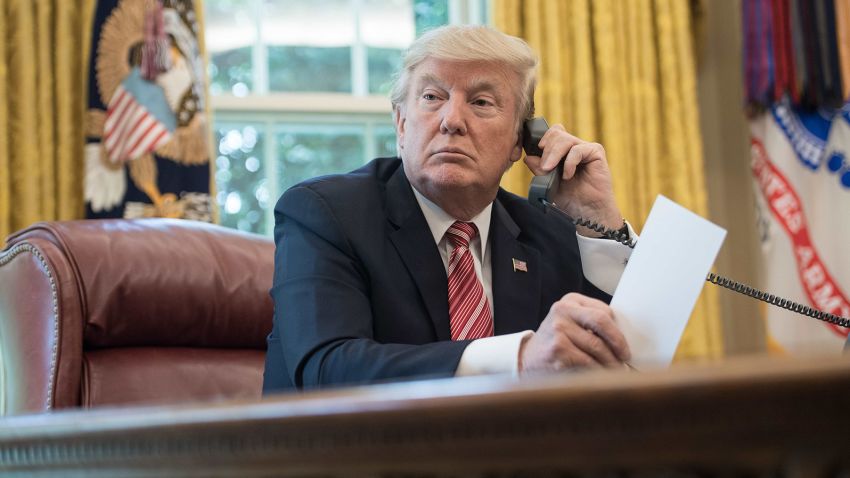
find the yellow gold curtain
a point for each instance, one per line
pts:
(622, 73)
(842, 27)
(44, 47)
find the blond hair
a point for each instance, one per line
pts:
(467, 43)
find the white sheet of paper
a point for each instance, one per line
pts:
(663, 279)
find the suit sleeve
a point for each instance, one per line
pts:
(322, 306)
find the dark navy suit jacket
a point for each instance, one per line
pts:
(360, 290)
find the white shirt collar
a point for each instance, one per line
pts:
(439, 221)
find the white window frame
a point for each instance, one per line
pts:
(269, 110)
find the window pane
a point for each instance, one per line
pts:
(430, 14)
(230, 72)
(385, 143)
(230, 35)
(302, 68)
(242, 188)
(386, 29)
(387, 23)
(306, 154)
(309, 44)
(383, 63)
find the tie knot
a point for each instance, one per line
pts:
(461, 233)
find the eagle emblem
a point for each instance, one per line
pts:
(149, 111)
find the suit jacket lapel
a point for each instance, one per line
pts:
(516, 293)
(413, 240)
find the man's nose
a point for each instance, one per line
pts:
(454, 117)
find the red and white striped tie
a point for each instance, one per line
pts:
(469, 312)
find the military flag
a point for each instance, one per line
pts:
(795, 72)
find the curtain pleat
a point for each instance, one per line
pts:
(46, 138)
(842, 31)
(42, 81)
(23, 133)
(622, 73)
(72, 21)
(5, 162)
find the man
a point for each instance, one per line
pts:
(423, 267)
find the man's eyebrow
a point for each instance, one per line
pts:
(478, 85)
(475, 85)
(430, 78)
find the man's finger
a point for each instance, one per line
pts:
(594, 346)
(576, 357)
(580, 154)
(601, 323)
(555, 145)
(555, 153)
(533, 163)
(585, 300)
(553, 133)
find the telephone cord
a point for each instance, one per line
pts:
(713, 278)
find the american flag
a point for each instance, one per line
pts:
(137, 122)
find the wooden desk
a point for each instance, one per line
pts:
(756, 417)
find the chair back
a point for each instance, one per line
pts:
(111, 312)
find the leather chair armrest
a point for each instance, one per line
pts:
(41, 328)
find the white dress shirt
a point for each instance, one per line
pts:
(603, 262)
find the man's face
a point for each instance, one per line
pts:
(457, 129)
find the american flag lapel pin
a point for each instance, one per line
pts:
(519, 266)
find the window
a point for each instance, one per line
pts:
(298, 89)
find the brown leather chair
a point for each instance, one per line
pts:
(110, 312)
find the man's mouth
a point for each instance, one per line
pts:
(451, 150)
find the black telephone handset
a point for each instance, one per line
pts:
(543, 188)
(541, 194)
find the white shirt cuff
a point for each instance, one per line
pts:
(604, 260)
(490, 355)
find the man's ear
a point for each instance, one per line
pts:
(516, 153)
(399, 119)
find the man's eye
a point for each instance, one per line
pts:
(481, 102)
(429, 96)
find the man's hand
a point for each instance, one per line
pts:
(578, 332)
(585, 189)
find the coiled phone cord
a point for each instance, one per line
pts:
(712, 277)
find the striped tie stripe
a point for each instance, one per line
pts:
(469, 312)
